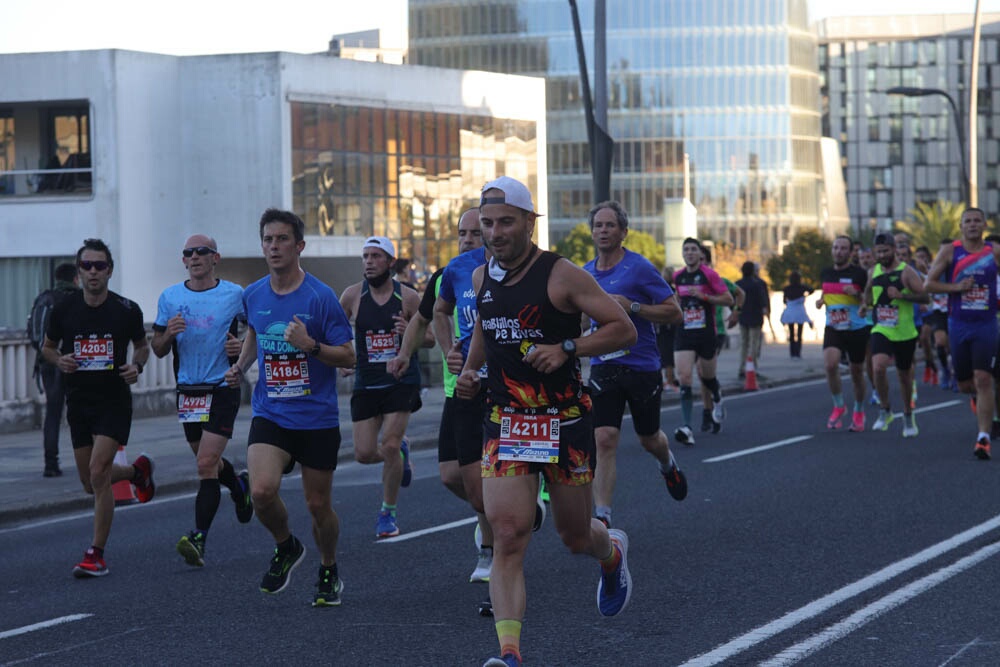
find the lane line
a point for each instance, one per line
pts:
(930, 408)
(42, 625)
(762, 448)
(820, 605)
(428, 531)
(804, 649)
(955, 656)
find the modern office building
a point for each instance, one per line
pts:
(729, 83)
(897, 151)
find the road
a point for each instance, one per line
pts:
(795, 546)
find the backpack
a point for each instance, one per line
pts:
(38, 319)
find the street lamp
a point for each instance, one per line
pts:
(909, 91)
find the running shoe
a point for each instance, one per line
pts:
(934, 376)
(973, 405)
(982, 450)
(615, 587)
(328, 589)
(483, 564)
(506, 660)
(684, 435)
(540, 513)
(385, 525)
(928, 375)
(282, 563)
(718, 411)
(910, 429)
(477, 536)
(92, 565)
(945, 378)
(857, 421)
(192, 548)
(486, 607)
(874, 398)
(241, 497)
(543, 490)
(404, 451)
(833, 421)
(145, 489)
(706, 420)
(677, 484)
(913, 396)
(885, 417)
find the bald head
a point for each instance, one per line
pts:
(470, 236)
(199, 240)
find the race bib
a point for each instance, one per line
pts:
(838, 318)
(94, 354)
(381, 347)
(533, 438)
(887, 316)
(286, 375)
(193, 409)
(975, 298)
(939, 302)
(694, 317)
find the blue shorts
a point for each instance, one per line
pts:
(973, 347)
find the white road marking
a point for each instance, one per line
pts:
(929, 408)
(754, 450)
(821, 605)
(955, 655)
(42, 625)
(803, 649)
(428, 531)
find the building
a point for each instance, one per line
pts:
(365, 45)
(729, 83)
(142, 150)
(897, 151)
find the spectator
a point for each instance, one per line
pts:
(794, 315)
(751, 316)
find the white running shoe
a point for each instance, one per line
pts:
(885, 417)
(910, 429)
(684, 435)
(483, 564)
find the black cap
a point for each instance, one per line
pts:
(884, 239)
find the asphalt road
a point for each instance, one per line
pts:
(795, 546)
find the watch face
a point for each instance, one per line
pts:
(634, 306)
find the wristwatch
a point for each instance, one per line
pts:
(138, 365)
(569, 347)
(634, 307)
(314, 352)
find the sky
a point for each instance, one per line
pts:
(188, 27)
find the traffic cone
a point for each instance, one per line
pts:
(124, 495)
(751, 376)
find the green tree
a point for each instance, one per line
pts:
(807, 253)
(932, 222)
(578, 246)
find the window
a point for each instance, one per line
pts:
(55, 152)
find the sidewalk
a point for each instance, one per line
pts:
(25, 494)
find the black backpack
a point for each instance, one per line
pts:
(41, 311)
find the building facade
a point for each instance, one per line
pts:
(897, 151)
(731, 84)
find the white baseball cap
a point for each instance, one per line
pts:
(382, 243)
(515, 193)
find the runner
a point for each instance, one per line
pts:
(87, 339)
(379, 309)
(528, 332)
(892, 291)
(846, 331)
(967, 271)
(937, 321)
(298, 333)
(630, 374)
(197, 319)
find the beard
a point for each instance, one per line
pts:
(379, 280)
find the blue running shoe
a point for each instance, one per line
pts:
(242, 499)
(615, 587)
(404, 451)
(506, 660)
(386, 526)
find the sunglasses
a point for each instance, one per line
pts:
(100, 265)
(200, 250)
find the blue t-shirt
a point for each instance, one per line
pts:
(295, 390)
(636, 279)
(208, 316)
(456, 288)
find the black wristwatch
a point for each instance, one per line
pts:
(138, 365)
(569, 347)
(314, 352)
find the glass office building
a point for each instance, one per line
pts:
(731, 84)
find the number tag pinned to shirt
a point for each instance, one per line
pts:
(94, 354)
(381, 347)
(975, 298)
(286, 375)
(193, 409)
(532, 438)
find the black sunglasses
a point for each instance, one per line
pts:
(100, 265)
(202, 250)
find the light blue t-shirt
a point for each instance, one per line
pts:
(295, 390)
(636, 279)
(208, 316)
(457, 288)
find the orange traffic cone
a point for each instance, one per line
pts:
(751, 376)
(124, 495)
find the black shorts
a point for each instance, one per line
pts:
(704, 343)
(937, 320)
(315, 448)
(854, 342)
(614, 385)
(461, 435)
(221, 416)
(902, 350)
(87, 419)
(665, 342)
(368, 403)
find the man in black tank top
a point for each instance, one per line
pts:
(379, 309)
(539, 420)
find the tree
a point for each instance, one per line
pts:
(807, 253)
(931, 223)
(578, 246)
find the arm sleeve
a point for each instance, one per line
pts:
(426, 308)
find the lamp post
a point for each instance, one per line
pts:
(909, 91)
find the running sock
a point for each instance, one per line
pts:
(838, 400)
(859, 406)
(603, 511)
(978, 437)
(609, 564)
(206, 504)
(227, 475)
(669, 465)
(389, 508)
(686, 403)
(509, 634)
(712, 384)
(98, 551)
(332, 569)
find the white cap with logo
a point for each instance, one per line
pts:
(515, 193)
(382, 243)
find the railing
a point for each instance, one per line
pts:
(70, 180)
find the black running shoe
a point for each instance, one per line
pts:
(241, 498)
(677, 484)
(282, 563)
(328, 589)
(706, 420)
